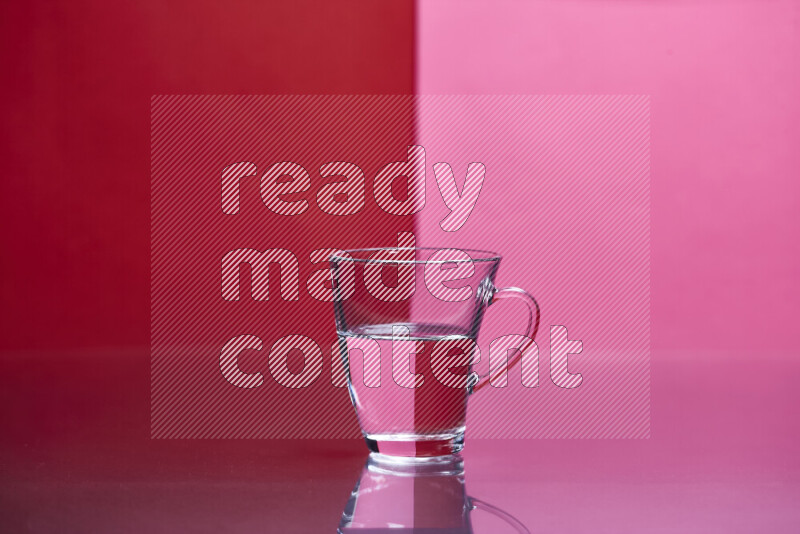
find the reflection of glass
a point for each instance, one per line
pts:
(390, 341)
(414, 497)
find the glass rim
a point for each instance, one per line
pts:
(484, 255)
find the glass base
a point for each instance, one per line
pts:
(415, 447)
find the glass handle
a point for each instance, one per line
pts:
(530, 332)
(477, 504)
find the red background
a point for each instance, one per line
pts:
(74, 332)
(78, 77)
(77, 83)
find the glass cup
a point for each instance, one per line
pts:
(407, 321)
(415, 497)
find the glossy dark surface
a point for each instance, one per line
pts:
(76, 457)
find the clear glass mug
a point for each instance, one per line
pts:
(415, 497)
(407, 320)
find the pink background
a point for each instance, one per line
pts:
(566, 202)
(724, 88)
